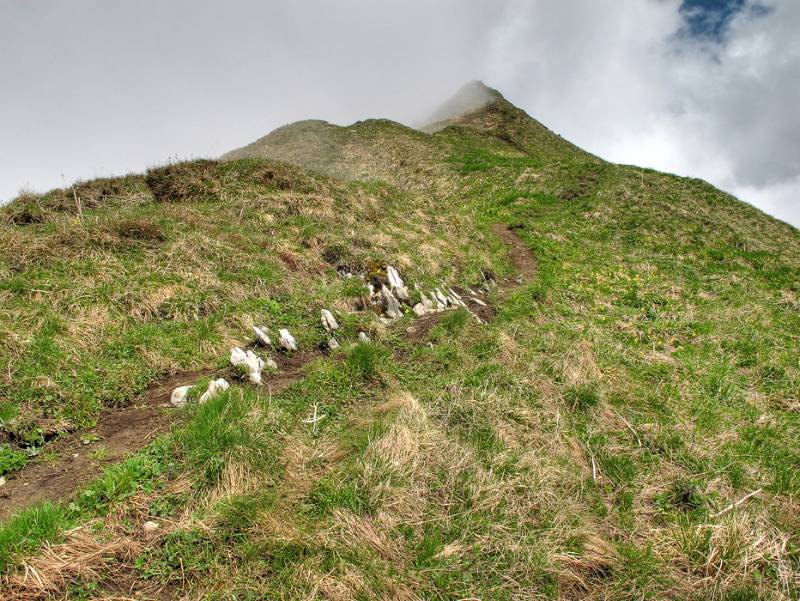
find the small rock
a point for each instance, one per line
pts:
(420, 309)
(214, 388)
(270, 364)
(440, 299)
(2, 481)
(178, 396)
(328, 321)
(396, 283)
(477, 301)
(333, 344)
(251, 362)
(150, 526)
(362, 337)
(454, 298)
(262, 336)
(238, 357)
(287, 341)
(391, 305)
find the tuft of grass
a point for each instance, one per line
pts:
(184, 182)
(365, 360)
(25, 531)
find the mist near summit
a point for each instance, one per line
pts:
(705, 88)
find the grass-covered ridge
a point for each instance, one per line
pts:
(586, 443)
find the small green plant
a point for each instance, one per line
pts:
(181, 552)
(454, 321)
(26, 530)
(365, 360)
(683, 496)
(99, 454)
(11, 460)
(8, 411)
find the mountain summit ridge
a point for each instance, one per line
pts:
(359, 149)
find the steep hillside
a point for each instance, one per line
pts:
(612, 413)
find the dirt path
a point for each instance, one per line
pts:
(68, 463)
(521, 256)
(121, 432)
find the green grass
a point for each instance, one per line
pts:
(26, 531)
(578, 446)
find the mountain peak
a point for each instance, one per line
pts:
(472, 96)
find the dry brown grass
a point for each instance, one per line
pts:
(579, 365)
(580, 573)
(81, 558)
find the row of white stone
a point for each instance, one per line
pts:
(248, 363)
(252, 366)
(390, 296)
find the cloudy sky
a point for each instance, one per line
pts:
(709, 88)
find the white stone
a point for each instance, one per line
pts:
(262, 336)
(396, 283)
(362, 337)
(333, 344)
(440, 299)
(428, 304)
(287, 341)
(420, 309)
(214, 388)
(269, 363)
(2, 481)
(328, 321)
(178, 396)
(394, 277)
(391, 305)
(477, 301)
(238, 357)
(454, 300)
(151, 526)
(256, 365)
(252, 362)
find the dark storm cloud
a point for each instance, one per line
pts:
(698, 87)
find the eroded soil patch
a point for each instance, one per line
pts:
(68, 463)
(521, 256)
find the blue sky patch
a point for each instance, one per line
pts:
(709, 19)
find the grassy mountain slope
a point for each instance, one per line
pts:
(586, 443)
